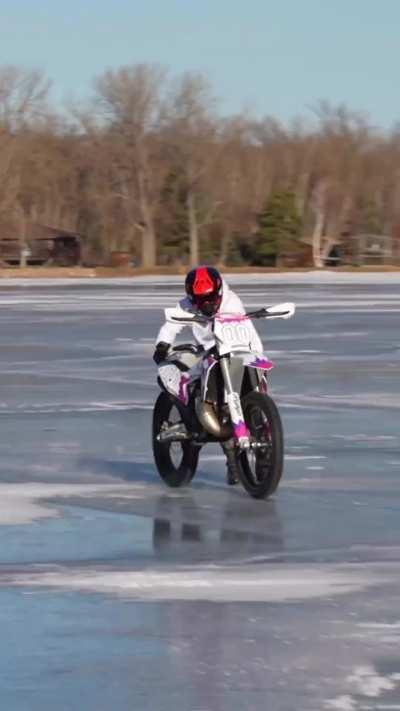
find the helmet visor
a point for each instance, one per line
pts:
(208, 304)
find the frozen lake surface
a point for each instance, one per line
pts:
(116, 592)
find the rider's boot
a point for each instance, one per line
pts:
(232, 477)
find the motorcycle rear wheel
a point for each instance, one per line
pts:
(176, 462)
(260, 468)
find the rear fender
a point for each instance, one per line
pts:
(186, 411)
(175, 381)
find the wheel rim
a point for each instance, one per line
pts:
(176, 452)
(259, 458)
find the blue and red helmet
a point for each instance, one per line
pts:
(204, 288)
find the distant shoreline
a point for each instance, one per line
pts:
(130, 273)
(60, 277)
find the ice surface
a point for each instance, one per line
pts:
(119, 593)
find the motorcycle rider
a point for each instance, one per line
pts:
(207, 294)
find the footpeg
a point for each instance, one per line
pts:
(173, 433)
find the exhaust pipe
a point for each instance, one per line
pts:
(208, 418)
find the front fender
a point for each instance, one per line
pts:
(259, 361)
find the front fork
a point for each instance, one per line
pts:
(241, 432)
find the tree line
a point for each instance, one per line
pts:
(150, 167)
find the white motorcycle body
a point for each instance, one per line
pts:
(232, 334)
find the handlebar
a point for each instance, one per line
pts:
(285, 311)
(192, 319)
(260, 313)
(264, 313)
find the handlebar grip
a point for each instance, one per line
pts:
(260, 313)
(194, 319)
(188, 347)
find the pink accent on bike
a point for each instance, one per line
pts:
(183, 394)
(241, 430)
(231, 319)
(208, 362)
(262, 363)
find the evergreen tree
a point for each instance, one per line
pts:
(173, 226)
(370, 217)
(280, 227)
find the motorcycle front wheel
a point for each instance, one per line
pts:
(176, 462)
(260, 468)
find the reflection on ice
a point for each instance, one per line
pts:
(184, 528)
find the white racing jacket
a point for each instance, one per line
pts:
(203, 335)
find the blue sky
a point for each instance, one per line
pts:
(269, 57)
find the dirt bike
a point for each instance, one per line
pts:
(219, 395)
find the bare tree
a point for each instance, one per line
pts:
(23, 104)
(109, 173)
(129, 101)
(23, 97)
(191, 130)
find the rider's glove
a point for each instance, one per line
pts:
(161, 352)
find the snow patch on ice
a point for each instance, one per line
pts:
(342, 703)
(213, 583)
(380, 625)
(24, 503)
(304, 456)
(307, 351)
(377, 399)
(49, 408)
(365, 682)
(368, 682)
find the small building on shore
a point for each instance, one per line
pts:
(363, 250)
(373, 250)
(42, 244)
